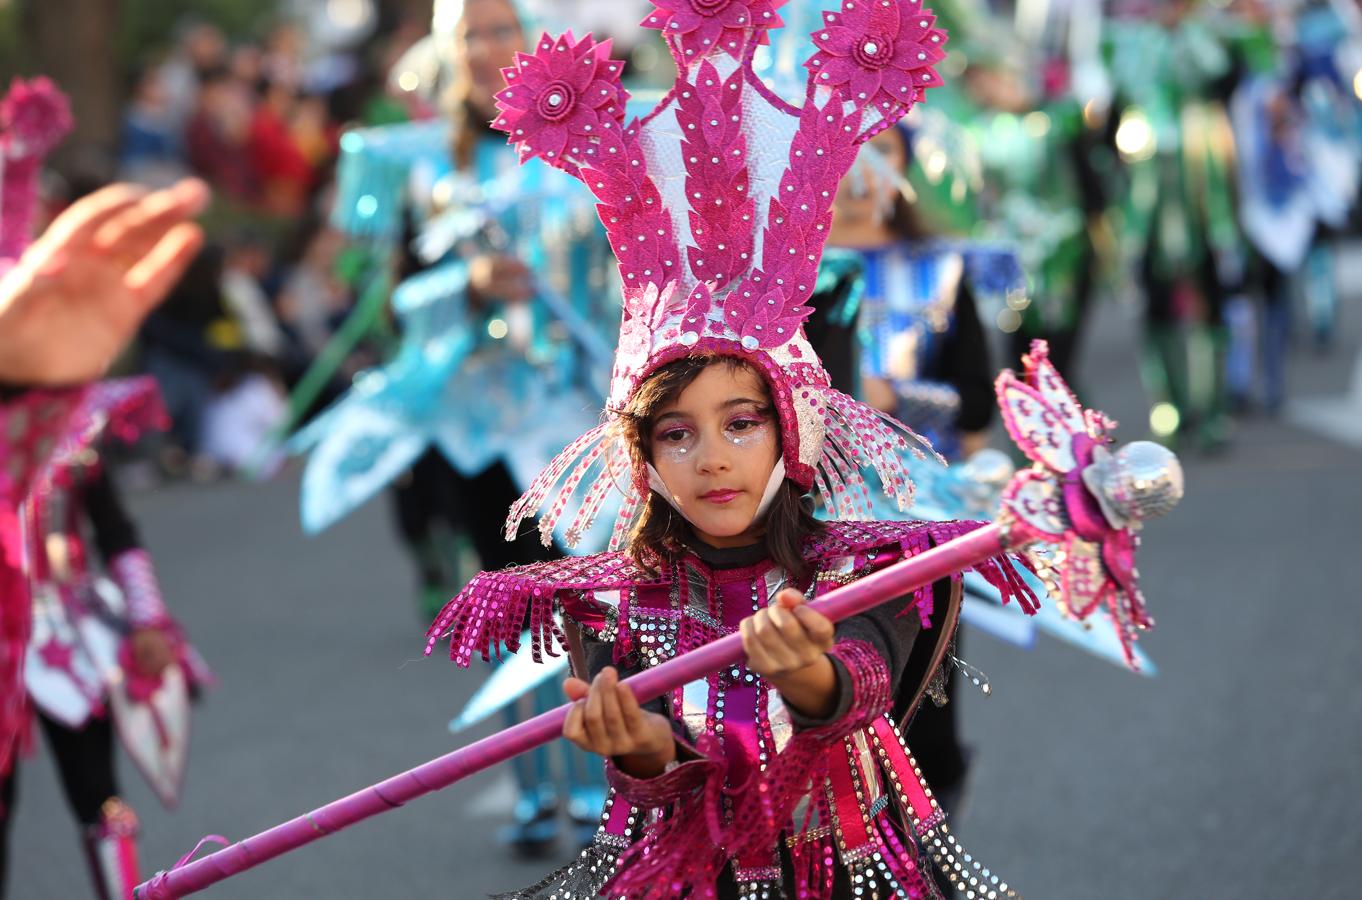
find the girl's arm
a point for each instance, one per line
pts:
(120, 545)
(131, 568)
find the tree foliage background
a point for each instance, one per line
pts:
(94, 48)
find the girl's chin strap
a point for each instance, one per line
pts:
(768, 496)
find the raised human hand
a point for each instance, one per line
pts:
(75, 298)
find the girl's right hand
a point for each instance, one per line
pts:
(606, 719)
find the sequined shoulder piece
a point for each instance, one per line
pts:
(495, 606)
(871, 545)
(120, 409)
(854, 538)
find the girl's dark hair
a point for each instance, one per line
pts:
(905, 221)
(660, 535)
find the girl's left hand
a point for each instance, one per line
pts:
(786, 637)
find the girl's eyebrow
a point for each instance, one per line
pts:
(726, 405)
(742, 401)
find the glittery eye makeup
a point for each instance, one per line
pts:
(673, 441)
(748, 429)
(748, 424)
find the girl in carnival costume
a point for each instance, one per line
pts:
(787, 773)
(105, 658)
(64, 649)
(503, 349)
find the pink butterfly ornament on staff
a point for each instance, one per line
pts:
(1081, 498)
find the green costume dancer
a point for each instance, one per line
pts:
(1172, 75)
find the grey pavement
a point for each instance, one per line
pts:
(1236, 773)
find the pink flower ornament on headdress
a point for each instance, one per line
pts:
(699, 27)
(878, 51)
(566, 89)
(718, 205)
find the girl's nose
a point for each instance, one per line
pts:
(711, 457)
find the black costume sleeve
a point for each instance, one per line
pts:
(893, 631)
(114, 530)
(966, 364)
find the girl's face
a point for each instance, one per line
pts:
(715, 447)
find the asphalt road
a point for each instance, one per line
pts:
(1235, 774)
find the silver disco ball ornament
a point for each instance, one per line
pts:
(1140, 481)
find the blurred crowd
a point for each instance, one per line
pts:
(260, 122)
(1010, 149)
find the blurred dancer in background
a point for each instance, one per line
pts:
(505, 318)
(69, 303)
(1172, 74)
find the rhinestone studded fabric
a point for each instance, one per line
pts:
(838, 796)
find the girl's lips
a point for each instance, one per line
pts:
(720, 496)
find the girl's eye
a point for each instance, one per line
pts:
(672, 436)
(747, 423)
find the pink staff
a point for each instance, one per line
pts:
(1077, 496)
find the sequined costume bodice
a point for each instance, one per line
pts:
(800, 806)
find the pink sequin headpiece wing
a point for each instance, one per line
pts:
(34, 118)
(718, 205)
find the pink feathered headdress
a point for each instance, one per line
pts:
(718, 205)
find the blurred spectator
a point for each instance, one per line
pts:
(150, 147)
(314, 132)
(247, 65)
(278, 163)
(245, 297)
(314, 300)
(216, 137)
(201, 49)
(284, 58)
(240, 419)
(178, 350)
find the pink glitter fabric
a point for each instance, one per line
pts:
(34, 117)
(678, 856)
(718, 205)
(41, 435)
(30, 428)
(120, 409)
